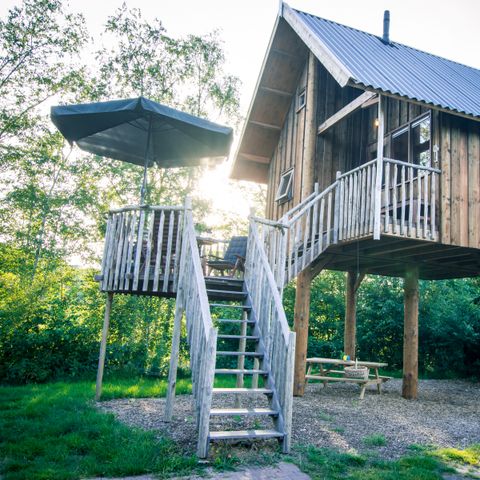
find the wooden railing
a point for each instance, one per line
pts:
(347, 211)
(409, 201)
(201, 334)
(271, 322)
(142, 246)
(355, 195)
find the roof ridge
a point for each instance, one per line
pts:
(391, 42)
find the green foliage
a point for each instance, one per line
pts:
(449, 322)
(53, 431)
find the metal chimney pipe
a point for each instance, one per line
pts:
(386, 27)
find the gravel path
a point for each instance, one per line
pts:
(446, 414)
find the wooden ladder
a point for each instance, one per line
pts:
(239, 325)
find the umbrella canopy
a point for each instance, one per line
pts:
(142, 132)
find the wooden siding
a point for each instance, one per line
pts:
(352, 142)
(288, 154)
(460, 181)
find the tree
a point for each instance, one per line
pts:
(38, 41)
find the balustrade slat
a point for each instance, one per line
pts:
(131, 244)
(118, 257)
(395, 200)
(166, 273)
(158, 257)
(329, 218)
(419, 203)
(148, 255)
(403, 194)
(433, 224)
(386, 204)
(411, 205)
(138, 253)
(321, 224)
(425, 205)
(126, 238)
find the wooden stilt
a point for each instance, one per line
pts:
(301, 317)
(103, 346)
(410, 335)
(350, 335)
(172, 373)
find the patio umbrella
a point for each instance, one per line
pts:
(143, 132)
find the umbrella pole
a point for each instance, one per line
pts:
(143, 190)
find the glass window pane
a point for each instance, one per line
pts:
(400, 146)
(421, 142)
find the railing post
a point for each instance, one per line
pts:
(378, 182)
(336, 209)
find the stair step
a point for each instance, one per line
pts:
(222, 305)
(237, 354)
(231, 320)
(239, 391)
(236, 371)
(239, 337)
(244, 434)
(226, 294)
(250, 412)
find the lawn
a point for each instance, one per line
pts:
(53, 431)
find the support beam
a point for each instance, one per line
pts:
(304, 279)
(301, 318)
(354, 280)
(344, 112)
(103, 346)
(410, 335)
(379, 164)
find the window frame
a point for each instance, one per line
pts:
(285, 187)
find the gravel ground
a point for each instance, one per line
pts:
(446, 414)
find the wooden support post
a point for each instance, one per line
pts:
(350, 332)
(350, 335)
(103, 346)
(378, 181)
(301, 317)
(410, 335)
(304, 279)
(172, 373)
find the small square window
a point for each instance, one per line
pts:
(285, 189)
(301, 99)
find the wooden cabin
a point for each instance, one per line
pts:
(371, 153)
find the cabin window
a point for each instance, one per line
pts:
(411, 143)
(301, 99)
(421, 142)
(285, 188)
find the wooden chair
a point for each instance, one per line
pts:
(233, 260)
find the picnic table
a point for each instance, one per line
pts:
(330, 370)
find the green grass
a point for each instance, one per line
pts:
(327, 464)
(376, 440)
(54, 432)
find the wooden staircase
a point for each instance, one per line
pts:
(245, 357)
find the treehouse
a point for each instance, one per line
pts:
(371, 153)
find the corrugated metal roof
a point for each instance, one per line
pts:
(398, 69)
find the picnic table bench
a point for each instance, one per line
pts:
(330, 371)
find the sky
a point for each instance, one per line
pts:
(448, 28)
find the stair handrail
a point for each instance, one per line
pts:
(272, 323)
(201, 334)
